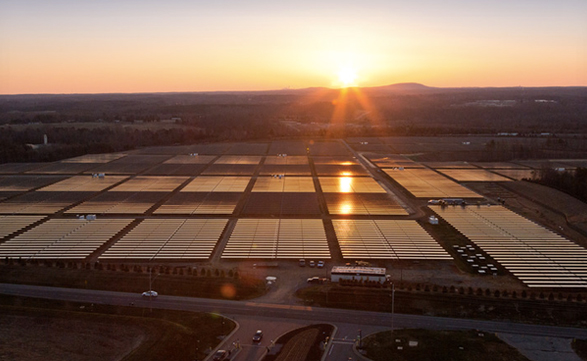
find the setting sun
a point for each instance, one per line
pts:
(347, 77)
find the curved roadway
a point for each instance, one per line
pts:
(277, 319)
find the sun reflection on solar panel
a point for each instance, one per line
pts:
(345, 184)
(345, 208)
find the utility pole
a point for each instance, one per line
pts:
(392, 304)
(151, 279)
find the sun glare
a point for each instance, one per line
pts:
(347, 77)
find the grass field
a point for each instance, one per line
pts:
(34, 329)
(208, 285)
(580, 347)
(438, 346)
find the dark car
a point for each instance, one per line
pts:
(258, 336)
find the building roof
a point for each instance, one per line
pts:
(375, 271)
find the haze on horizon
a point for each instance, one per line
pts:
(67, 46)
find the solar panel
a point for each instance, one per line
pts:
(200, 203)
(13, 224)
(363, 204)
(83, 184)
(277, 238)
(386, 239)
(284, 184)
(168, 239)
(350, 185)
(473, 175)
(62, 239)
(426, 183)
(217, 184)
(521, 246)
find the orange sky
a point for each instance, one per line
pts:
(68, 46)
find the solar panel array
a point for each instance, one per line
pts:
(500, 165)
(162, 239)
(277, 238)
(350, 185)
(450, 165)
(21, 183)
(190, 159)
(200, 203)
(217, 184)
(286, 160)
(340, 170)
(62, 239)
(386, 239)
(363, 204)
(238, 159)
(284, 184)
(95, 158)
(119, 203)
(10, 168)
(535, 255)
(271, 169)
(83, 184)
(335, 161)
(61, 168)
(150, 184)
(41, 202)
(12, 224)
(426, 183)
(393, 161)
(473, 175)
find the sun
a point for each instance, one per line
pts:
(347, 76)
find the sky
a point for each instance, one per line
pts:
(111, 46)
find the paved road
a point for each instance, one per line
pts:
(278, 319)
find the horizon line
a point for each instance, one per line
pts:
(422, 86)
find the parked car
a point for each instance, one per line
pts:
(220, 355)
(258, 336)
(302, 262)
(311, 264)
(320, 264)
(150, 293)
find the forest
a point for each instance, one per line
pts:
(89, 123)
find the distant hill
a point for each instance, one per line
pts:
(405, 87)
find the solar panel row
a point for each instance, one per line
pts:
(473, 175)
(426, 183)
(83, 184)
(13, 224)
(62, 239)
(386, 239)
(169, 239)
(534, 254)
(277, 238)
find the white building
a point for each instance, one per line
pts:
(357, 273)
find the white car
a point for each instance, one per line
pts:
(150, 294)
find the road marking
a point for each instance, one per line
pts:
(344, 342)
